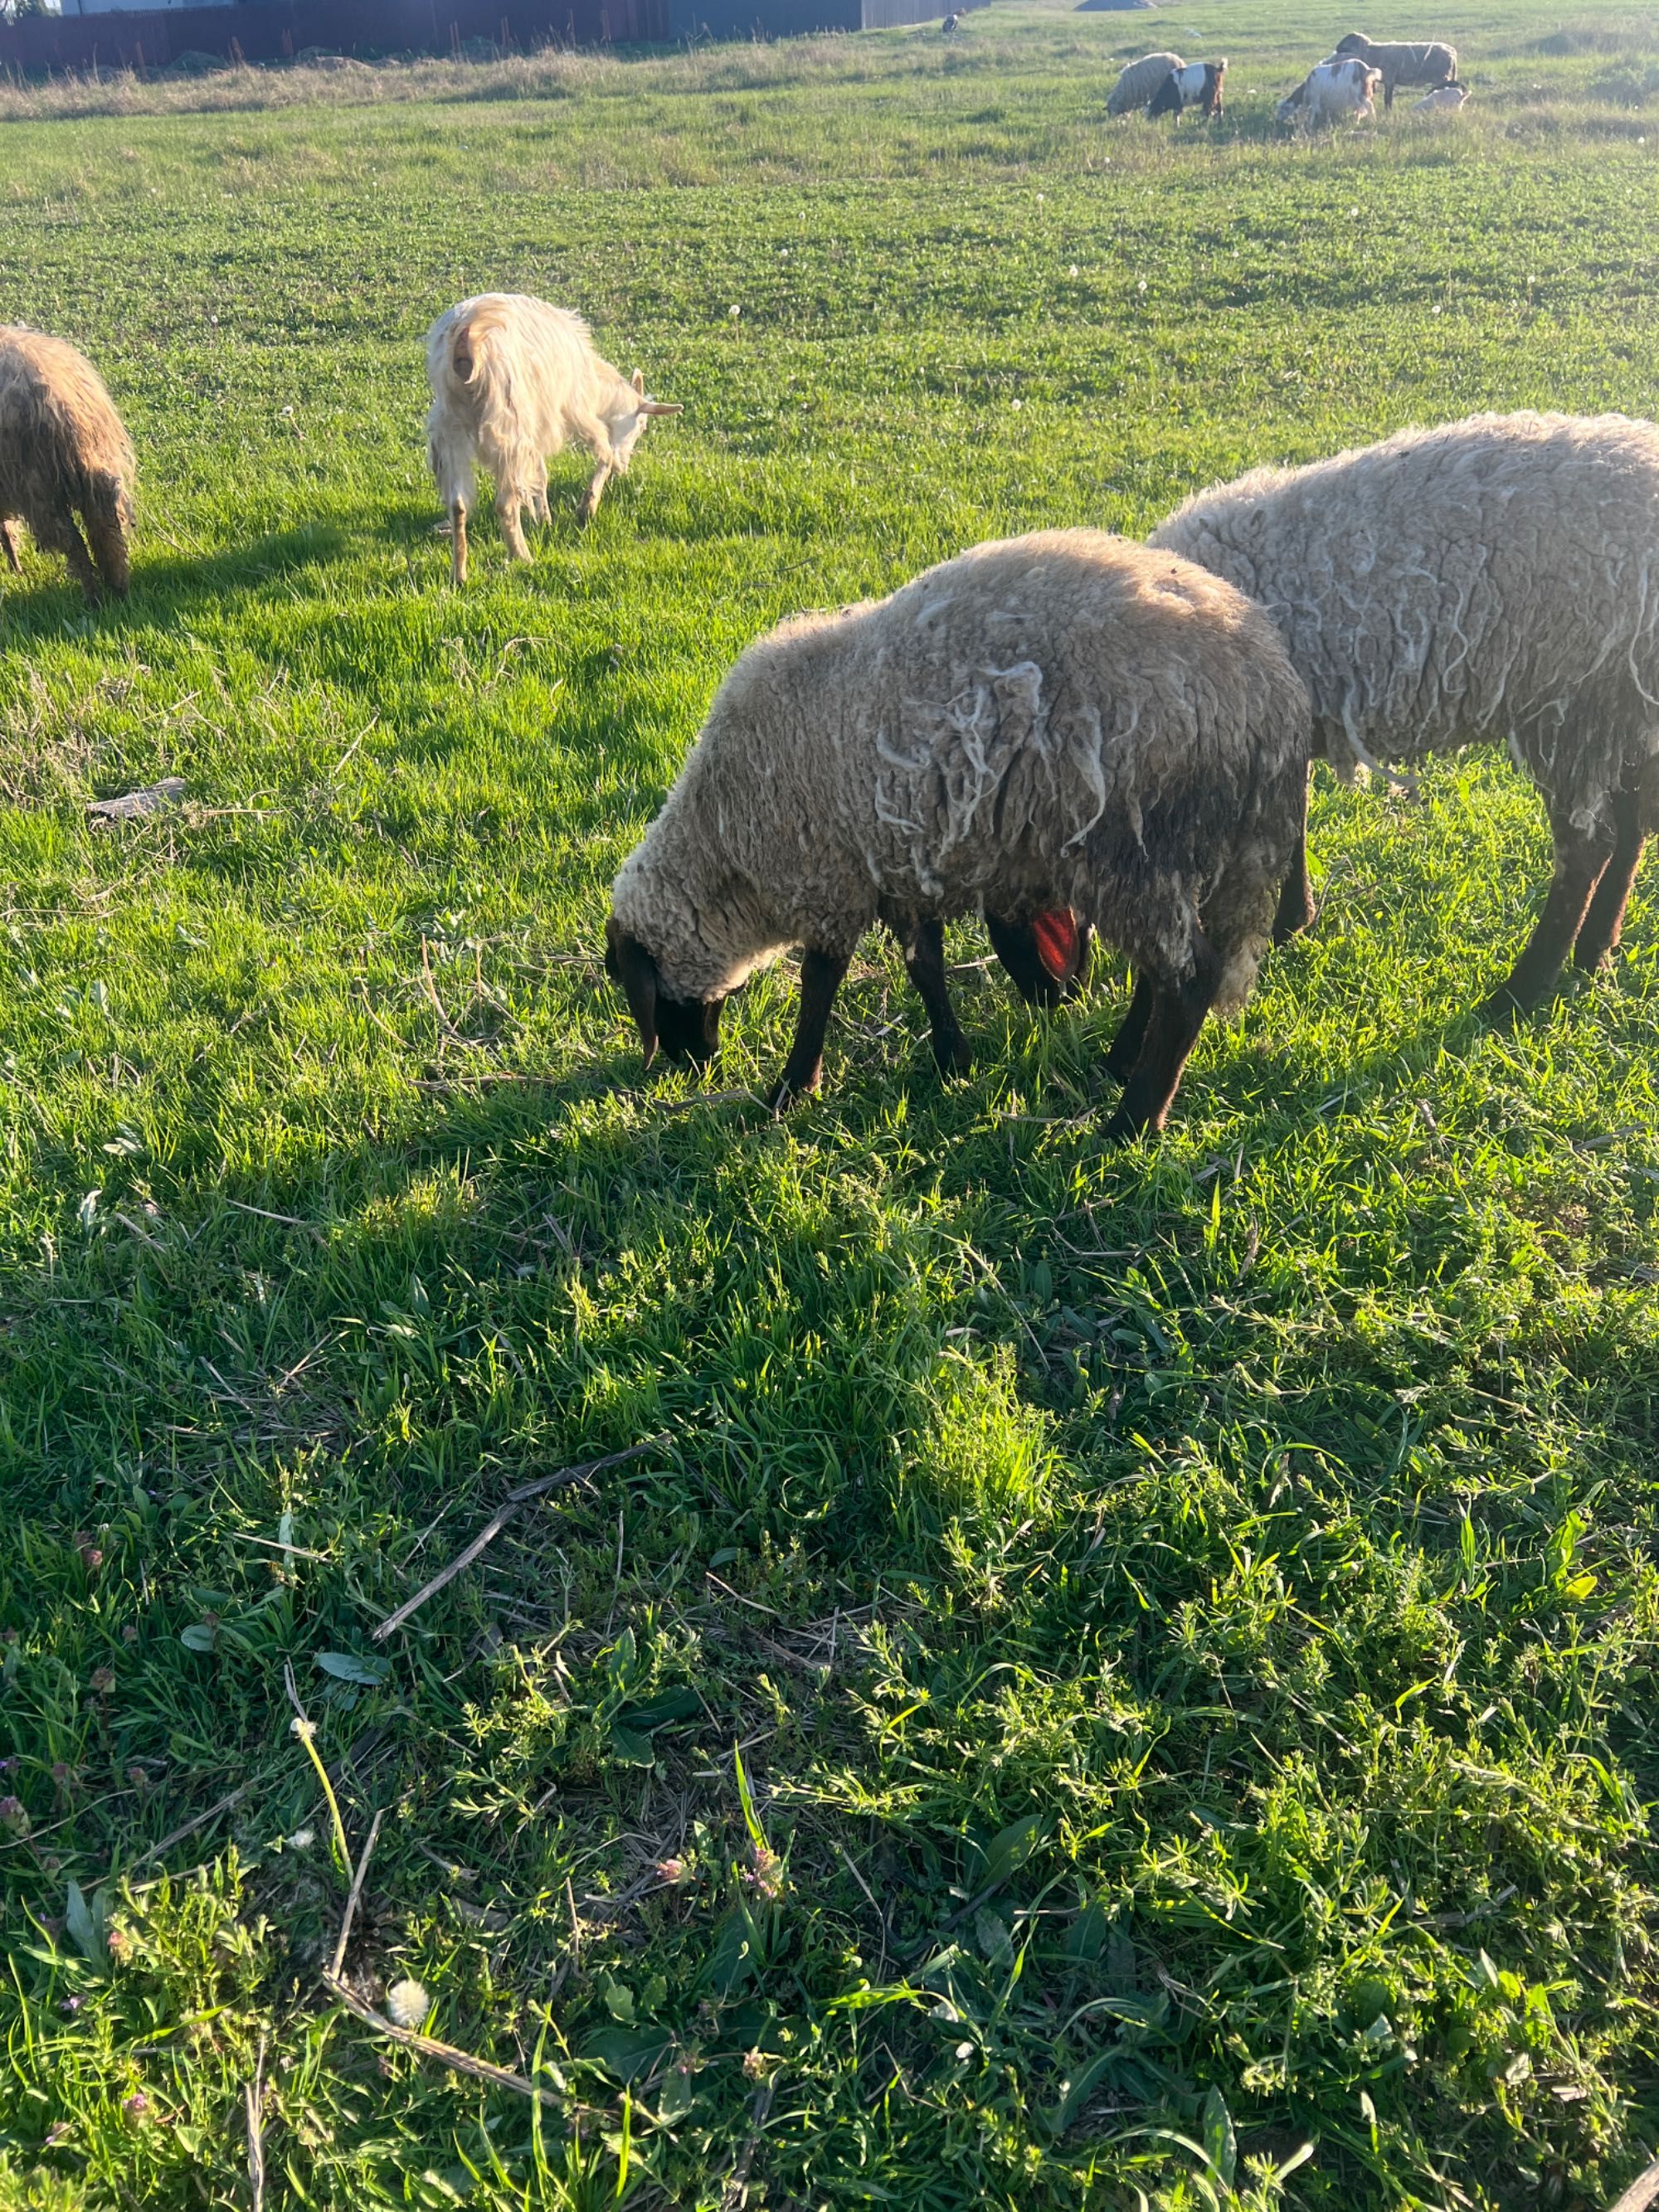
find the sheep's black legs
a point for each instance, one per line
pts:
(1606, 917)
(1172, 1025)
(821, 974)
(1296, 910)
(922, 943)
(8, 547)
(1125, 1049)
(1581, 857)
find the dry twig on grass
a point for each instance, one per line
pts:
(253, 2097)
(566, 1477)
(1642, 2192)
(427, 2046)
(358, 1880)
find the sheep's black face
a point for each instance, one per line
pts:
(688, 1030)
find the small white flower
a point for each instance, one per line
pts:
(1014, 404)
(1353, 210)
(302, 1840)
(734, 310)
(1043, 199)
(1071, 271)
(1435, 310)
(406, 2004)
(1141, 285)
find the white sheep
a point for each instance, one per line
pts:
(513, 381)
(1334, 90)
(1063, 721)
(1497, 579)
(1140, 81)
(1446, 101)
(1425, 62)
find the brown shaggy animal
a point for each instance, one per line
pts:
(62, 449)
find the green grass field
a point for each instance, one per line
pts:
(1188, 1615)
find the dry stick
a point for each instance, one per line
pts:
(363, 1858)
(1642, 2192)
(498, 1521)
(254, 2095)
(190, 1827)
(430, 2047)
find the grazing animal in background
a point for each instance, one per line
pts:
(1330, 93)
(513, 381)
(1198, 85)
(951, 24)
(1447, 101)
(1059, 725)
(1140, 81)
(63, 451)
(1492, 580)
(1427, 62)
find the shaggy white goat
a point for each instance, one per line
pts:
(1330, 91)
(1497, 579)
(1140, 81)
(1063, 721)
(513, 381)
(1425, 62)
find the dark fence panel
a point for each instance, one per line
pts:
(274, 30)
(790, 19)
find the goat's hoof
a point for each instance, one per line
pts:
(1123, 1129)
(1287, 927)
(952, 1056)
(1502, 1011)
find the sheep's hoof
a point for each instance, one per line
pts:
(1123, 1129)
(784, 1094)
(1502, 1011)
(953, 1056)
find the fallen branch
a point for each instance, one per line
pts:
(1642, 2192)
(253, 2097)
(462, 2061)
(356, 1892)
(566, 1477)
(190, 1827)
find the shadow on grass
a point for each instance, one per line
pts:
(36, 608)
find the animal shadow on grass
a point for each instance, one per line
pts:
(43, 604)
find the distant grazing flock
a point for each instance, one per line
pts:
(1067, 732)
(1342, 89)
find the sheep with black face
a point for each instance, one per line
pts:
(1059, 722)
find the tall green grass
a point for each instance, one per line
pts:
(1188, 1614)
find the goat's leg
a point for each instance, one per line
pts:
(9, 546)
(922, 943)
(458, 541)
(509, 514)
(1125, 1049)
(821, 974)
(1297, 908)
(1581, 859)
(1176, 1017)
(1598, 932)
(595, 493)
(59, 535)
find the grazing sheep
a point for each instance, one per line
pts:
(1063, 721)
(951, 24)
(1140, 81)
(1427, 62)
(1197, 85)
(1333, 90)
(1446, 101)
(63, 448)
(1491, 580)
(511, 381)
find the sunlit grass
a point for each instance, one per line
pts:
(1189, 1613)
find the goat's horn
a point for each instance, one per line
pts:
(660, 406)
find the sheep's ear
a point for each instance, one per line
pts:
(660, 406)
(636, 972)
(639, 382)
